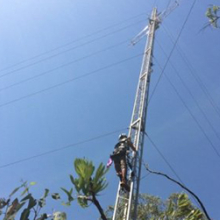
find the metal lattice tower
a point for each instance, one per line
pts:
(126, 202)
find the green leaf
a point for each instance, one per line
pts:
(55, 196)
(32, 203)
(25, 214)
(32, 183)
(43, 217)
(46, 192)
(14, 191)
(3, 203)
(209, 13)
(25, 191)
(99, 181)
(69, 194)
(42, 202)
(82, 202)
(76, 184)
(215, 9)
(66, 191)
(20, 205)
(84, 168)
(66, 204)
(72, 179)
(26, 197)
(59, 216)
(101, 171)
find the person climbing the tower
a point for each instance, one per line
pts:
(119, 157)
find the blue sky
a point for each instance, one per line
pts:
(63, 40)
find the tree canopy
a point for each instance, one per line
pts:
(177, 207)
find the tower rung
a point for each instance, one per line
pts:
(123, 198)
(135, 122)
(147, 50)
(143, 75)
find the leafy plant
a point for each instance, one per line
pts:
(177, 207)
(212, 14)
(88, 184)
(25, 204)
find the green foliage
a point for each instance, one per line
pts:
(42, 200)
(55, 196)
(24, 204)
(213, 16)
(177, 207)
(59, 216)
(89, 183)
(69, 195)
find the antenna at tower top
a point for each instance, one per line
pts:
(160, 16)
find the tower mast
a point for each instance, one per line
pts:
(126, 202)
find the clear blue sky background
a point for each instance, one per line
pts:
(35, 119)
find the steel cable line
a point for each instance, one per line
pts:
(62, 148)
(70, 80)
(63, 65)
(70, 49)
(190, 112)
(163, 157)
(172, 50)
(191, 94)
(191, 193)
(74, 41)
(146, 175)
(194, 74)
(167, 162)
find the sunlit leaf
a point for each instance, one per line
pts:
(215, 9)
(59, 216)
(32, 183)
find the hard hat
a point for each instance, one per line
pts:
(121, 136)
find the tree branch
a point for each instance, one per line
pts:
(96, 202)
(184, 187)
